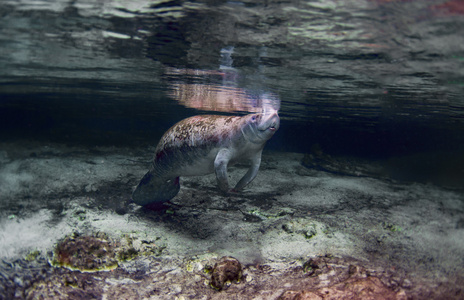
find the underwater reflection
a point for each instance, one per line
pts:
(217, 90)
(221, 98)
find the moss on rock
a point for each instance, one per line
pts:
(98, 252)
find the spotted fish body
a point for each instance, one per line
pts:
(202, 145)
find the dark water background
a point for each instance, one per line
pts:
(373, 79)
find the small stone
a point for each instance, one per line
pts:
(407, 284)
(176, 288)
(310, 233)
(226, 269)
(310, 267)
(18, 281)
(303, 295)
(289, 228)
(353, 270)
(88, 188)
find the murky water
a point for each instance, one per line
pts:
(367, 78)
(370, 91)
(376, 67)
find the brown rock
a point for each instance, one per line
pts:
(370, 288)
(226, 269)
(303, 295)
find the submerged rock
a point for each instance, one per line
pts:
(306, 227)
(303, 295)
(227, 269)
(98, 252)
(321, 161)
(442, 168)
(85, 253)
(337, 278)
(364, 288)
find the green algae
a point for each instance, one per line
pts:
(32, 255)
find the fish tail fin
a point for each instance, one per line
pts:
(153, 189)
